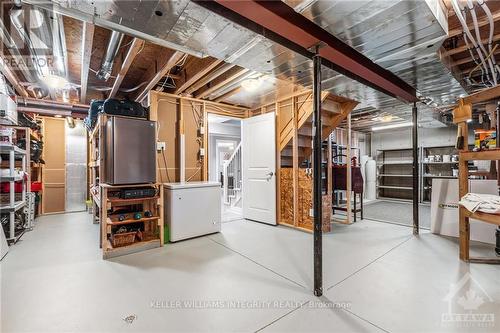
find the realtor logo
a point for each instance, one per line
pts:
(469, 305)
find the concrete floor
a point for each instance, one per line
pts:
(258, 277)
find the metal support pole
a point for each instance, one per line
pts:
(317, 200)
(414, 112)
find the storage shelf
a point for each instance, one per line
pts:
(395, 163)
(484, 155)
(17, 205)
(144, 219)
(110, 251)
(436, 176)
(438, 163)
(395, 187)
(11, 179)
(118, 201)
(489, 218)
(389, 175)
(6, 148)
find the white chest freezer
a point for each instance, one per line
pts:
(192, 209)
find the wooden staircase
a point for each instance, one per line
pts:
(296, 124)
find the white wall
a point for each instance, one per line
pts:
(219, 131)
(427, 137)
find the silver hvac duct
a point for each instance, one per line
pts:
(115, 40)
(47, 52)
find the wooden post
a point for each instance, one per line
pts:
(205, 142)
(295, 162)
(463, 183)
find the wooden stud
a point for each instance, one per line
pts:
(205, 142)
(133, 51)
(295, 163)
(196, 77)
(172, 61)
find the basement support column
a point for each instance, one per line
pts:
(317, 195)
(414, 112)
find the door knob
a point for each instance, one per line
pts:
(270, 175)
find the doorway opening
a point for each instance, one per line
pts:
(224, 163)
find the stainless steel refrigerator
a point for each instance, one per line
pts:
(130, 149)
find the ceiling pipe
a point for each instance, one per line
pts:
(104, 73)
(48, 107)
(53, 44)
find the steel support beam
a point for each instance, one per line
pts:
(317, 195)
(280, 23)
(416, 227)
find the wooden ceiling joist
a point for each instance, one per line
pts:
(87, 40)
(239, 75)
(156, 77)
(480, 22)
(210, 77)
(197, 76)
(228, 94)
(463, 48)
(133, 51)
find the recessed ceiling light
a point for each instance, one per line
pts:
(251, 84)
(57, 116)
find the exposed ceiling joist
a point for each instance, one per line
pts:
(210, 77)
(280, 23)
(133, 51)
(240, 75)
(197, 76)
(463, 48)
(480, 22)
(228, 94)
(172, 61)
(87, 40)
(467, 60)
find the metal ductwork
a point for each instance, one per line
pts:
(47, 51)
(51, 108)
(104, 73)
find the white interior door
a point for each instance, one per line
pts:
(258, 153)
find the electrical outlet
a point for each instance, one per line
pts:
(202, 130)
(161, 146)
(202, 151)
(311, 212)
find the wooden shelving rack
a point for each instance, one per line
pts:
(461, 114)
(105, 201)
(464, 214)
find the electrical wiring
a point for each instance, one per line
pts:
(166, 166)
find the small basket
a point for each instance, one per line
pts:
(123, 239)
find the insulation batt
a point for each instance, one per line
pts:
(486, 203)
